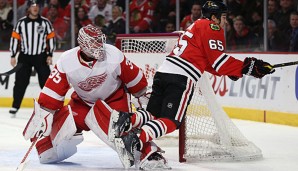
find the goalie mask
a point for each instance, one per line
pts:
(215, 7)
(91, 41)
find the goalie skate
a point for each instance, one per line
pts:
(125, 147)
(119, 122)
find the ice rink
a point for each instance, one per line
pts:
(278, 143)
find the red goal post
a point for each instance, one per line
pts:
(207, 132)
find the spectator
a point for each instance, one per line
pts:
(63, 4)
(99, 21)
(250, 7)
(169, 9)
(53, 2)
(185, 5)
(102, 8)
(6, 17)
(229, 31)
(243, 39)
(91, 2)
(78, 4)
(272, 8)
(294, 32)
(196, 13)
(60, 27)
(235, 7)
(141, 16)
(170, 27)
(277, 41)
(223, 20)
(283, 15)
(22, 10)
(117, 26)
(82, 17)
(37, 52)
(256, 24)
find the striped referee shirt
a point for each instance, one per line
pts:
(35, 36)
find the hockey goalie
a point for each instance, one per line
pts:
(103, 80)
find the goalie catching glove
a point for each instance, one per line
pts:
(256, 67)
(40, 123)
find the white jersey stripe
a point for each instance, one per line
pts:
(184, 99)
(52, 94)
(186, 66)
(220, 61)
(136, 80)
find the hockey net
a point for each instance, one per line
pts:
(207, 134)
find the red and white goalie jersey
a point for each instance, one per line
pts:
(98, 81)
(201, 48)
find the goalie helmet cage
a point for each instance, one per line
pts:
(207, 133)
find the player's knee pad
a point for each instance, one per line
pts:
(98, 119)
(49, 153)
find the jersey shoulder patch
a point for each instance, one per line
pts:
(214, 27)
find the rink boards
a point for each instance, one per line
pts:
(270, 99)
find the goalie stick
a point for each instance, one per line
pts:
(13, 70)
(285, 64)
(24, 161)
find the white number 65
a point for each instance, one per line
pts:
(216, 44)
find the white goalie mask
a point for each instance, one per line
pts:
(91, 41)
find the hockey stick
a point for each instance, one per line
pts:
(285, 64)
(13, 70)
(24, 161)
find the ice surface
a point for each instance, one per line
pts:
(279, 144)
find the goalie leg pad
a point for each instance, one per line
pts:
(64, 126)
(48, 153)
(98, 119)
(63, 139)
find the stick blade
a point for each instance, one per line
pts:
(22, 166)
(13, 70)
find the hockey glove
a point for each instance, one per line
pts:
(40, 123)
(256, 67)
(142, 101)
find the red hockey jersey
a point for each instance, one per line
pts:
(99, 80)
(186, 22)
(141, 14)
(201, 48)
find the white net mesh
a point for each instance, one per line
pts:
(209, 133)
(147, 45)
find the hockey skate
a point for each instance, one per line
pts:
(153, 160)
(13, 111)
(126, 147)
(119, 123)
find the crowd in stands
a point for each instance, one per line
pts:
(244, 27)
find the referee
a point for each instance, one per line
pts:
(34, 37)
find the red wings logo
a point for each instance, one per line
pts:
(92, 82)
